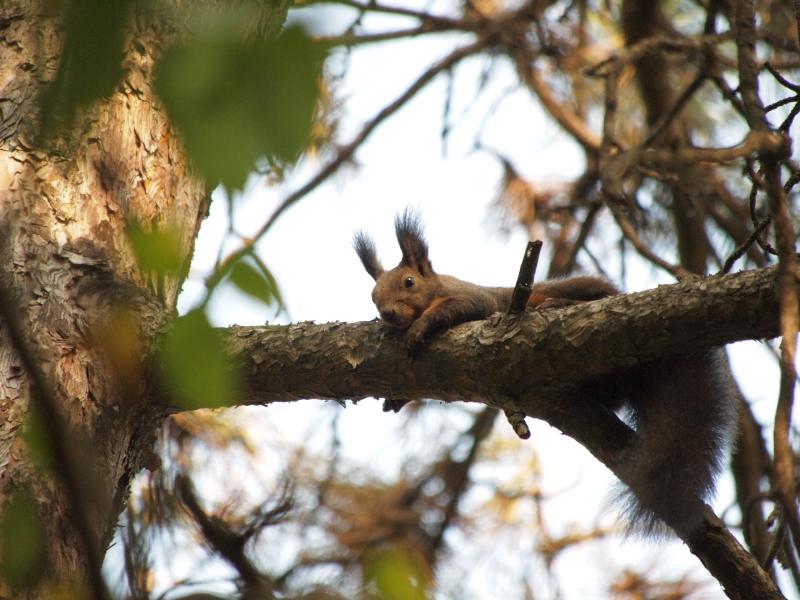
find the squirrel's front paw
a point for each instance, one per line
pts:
(415, 337)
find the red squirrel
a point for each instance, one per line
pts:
(681, 407)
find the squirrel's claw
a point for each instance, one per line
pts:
(415, 338)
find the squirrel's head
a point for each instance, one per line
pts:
(402, 293)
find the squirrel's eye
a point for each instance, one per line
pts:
(409, 281)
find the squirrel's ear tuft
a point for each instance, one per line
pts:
(408, 226)
(365, 248)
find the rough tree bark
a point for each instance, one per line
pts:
(77, 293)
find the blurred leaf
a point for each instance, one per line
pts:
(22, 542)
(65, 590)
(235, 102)
(91, 63)
(276, 292)
(37, 441)
(252, 282)
(196, 368)
(158, 250)
(399, 573)
(117, 337)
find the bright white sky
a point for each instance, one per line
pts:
(309, 251)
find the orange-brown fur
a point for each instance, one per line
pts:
(414, 298)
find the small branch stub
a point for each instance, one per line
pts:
(527, 271)
(516, 418)
(519, 300)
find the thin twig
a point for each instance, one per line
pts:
(583, 235)
(757, 183)
(728, 93)
(230, 544)
(793, 180)
(374, 7)
(558, 108)
(781, 79)
(661, 125)
(776, 546)
(631, 54)
(745, 246)
(613, 169)
(348, 40)
(781, 102)
(610, 105)
(527, 271)
(628, 230)
(787, 122)
(456, 473)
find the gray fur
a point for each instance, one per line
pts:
(684, 412)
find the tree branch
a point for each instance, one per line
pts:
(547, 349)
(537, 358)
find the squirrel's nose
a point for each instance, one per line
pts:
(389, 315)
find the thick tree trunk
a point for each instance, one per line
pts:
(85, 308)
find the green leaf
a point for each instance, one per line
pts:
(37, 441)
(91, 62)
(253, 282)
(158, 250)
(236, 101)
(262, 268)
(399, 573)
(22, 542)
(196, 368)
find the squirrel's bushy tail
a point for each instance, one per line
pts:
(684, 411)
